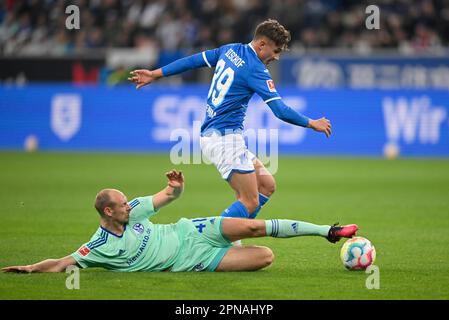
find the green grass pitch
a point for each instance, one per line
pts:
(402, 206)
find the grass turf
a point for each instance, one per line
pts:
(402, 206)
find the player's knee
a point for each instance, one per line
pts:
(267, 257)
(268, 187)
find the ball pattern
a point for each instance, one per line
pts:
(357, 253)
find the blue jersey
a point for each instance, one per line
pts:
(239, 73)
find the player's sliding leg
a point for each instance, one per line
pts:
(245, 187)
(266, 186)
(236, 229)
(248, 258)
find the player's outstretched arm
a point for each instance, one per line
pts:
(287, 114)
(143, 77)
(173, 190)
(49, 265)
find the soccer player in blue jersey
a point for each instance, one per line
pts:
(128, 241)
(240, 71)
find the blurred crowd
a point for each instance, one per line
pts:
(176, 27)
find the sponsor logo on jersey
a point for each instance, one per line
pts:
(270, 85)
(138, 228)
(141, 249)
(84, 251)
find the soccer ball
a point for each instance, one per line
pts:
(357, 253)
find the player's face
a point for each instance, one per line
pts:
(121, 208)
(269, 51)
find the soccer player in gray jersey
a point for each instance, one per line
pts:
(128, 241)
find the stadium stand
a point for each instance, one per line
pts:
(175, 27)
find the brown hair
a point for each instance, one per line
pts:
(274, 31)
(103, 200)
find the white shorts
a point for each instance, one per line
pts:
(228, 153)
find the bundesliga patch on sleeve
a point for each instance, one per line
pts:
(84, 251)
(270, 85)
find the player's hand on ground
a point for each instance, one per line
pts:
(142, 77)
(321, 125)
(18, 269)
(175, 179)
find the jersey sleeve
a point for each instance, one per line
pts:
(211, 57)
(183, 64)
(287, 114)
(89, 258)
(142, 208)
(260, 81)
(207, 58)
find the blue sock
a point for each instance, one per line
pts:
(262, 200)
(236, 210)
